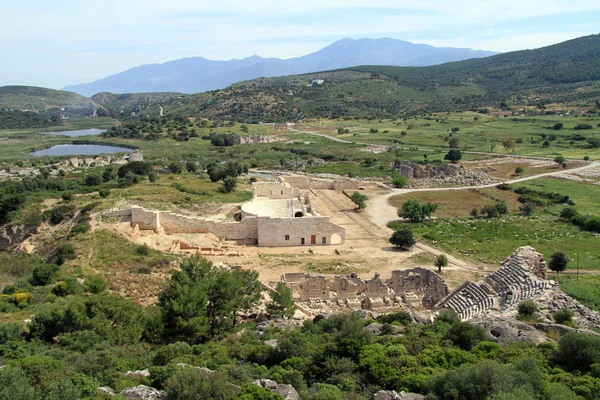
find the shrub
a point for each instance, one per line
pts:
(558, 262)
(191, 167)
(64, 253)
(577, 352)
(403, 238)
(136, 167)
(399, 181)
(592, 224)
(568, 213)
(229, 184)
(527, 209)
(104, 193)
(441, 261)
(416, 210)
(519, 170)
(175, 168)
(44, 274)
(563, 316)
(95, 284)
(67, 196)
(465, 335)
(143, 250)
(527, 308)
(583, 126)
(360, 200)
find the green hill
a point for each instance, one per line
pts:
(119, 104)
(567, 72)
(42, 99)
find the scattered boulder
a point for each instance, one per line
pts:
(143, 392)
(141, 372)
(562, 329)
(422, 318)
(272, 343)
(287, 391)
(506, 330)
(393, 395)
(15, 235)
(378, 329)
(280, 323)
(107, 390)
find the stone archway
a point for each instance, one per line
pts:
(335, 239)
(299, 214)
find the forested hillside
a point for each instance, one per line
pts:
(566, 72)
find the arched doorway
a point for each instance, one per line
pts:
(335, 239)
(299, 214)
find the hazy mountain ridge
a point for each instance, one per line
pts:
(198, 74)
(565, 72)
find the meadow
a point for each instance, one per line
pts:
(489, 241)
(476, 132)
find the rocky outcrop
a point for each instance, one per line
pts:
(413, 170)
(143, 392)
(508, 330)
(562, 329)
(393, 395)
(286, 391)
(15, 235)
(142, 372)
(378, 329)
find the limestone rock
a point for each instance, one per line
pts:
(107, 390)
(377, 329)
(15, 235)
(506, 330)
(278, 323)
(143, 392)
(562, 329)
(287, 391)
(393, 395)
(142, 372)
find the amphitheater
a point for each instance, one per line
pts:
(520, 277)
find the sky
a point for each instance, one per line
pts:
(54, 44)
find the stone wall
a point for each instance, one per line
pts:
(420, 281)
(413, 170)
(304, 183)
(284, 232)
(144, 219)
(275, 190)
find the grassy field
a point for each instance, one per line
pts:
(459, 203)
(585, 288)
(477, 132)
(585, 195)
(490, 241)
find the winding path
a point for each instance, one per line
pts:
(381, 212)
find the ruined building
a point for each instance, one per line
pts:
(413, 170)
(278, 216)
(412, 288)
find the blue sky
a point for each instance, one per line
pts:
(54, 44)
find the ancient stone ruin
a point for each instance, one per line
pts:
(411, 288)
(413, 170)
(279, 215)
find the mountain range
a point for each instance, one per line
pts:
(198, 74)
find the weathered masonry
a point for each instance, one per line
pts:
(278, 216)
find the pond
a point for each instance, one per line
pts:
(79, 149)
(82, 132)
(262, 174)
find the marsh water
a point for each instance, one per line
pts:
(79, 149)
(82, 132)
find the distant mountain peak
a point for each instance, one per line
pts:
(199, 74)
